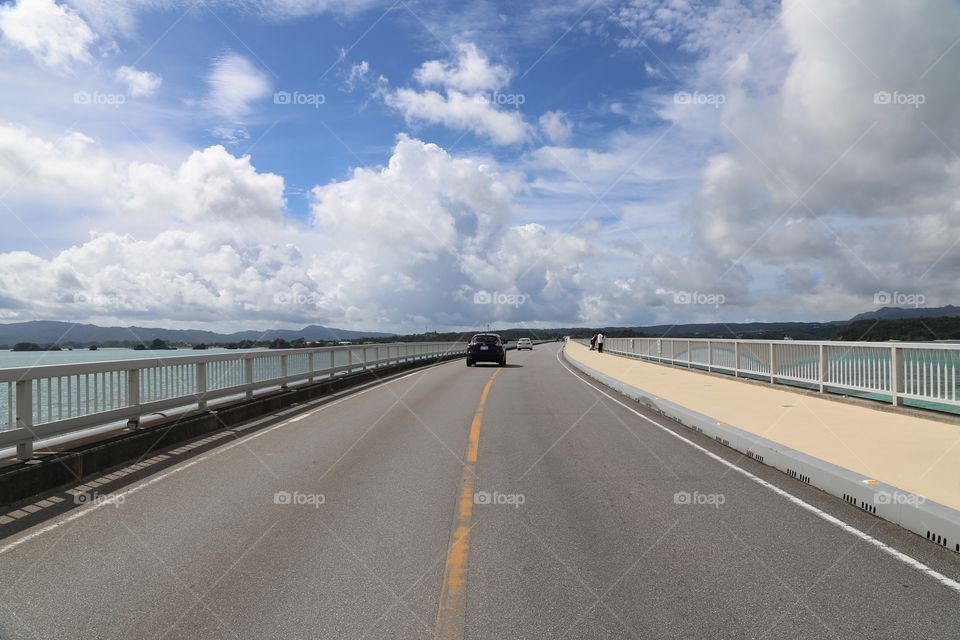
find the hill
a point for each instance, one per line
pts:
(50, 332)
(904, 329)
(898, 313)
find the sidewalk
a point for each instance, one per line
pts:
(913, 454)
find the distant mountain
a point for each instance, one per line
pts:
(48, 332)
(898, 313)
(749, 330)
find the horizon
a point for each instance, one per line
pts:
(505, 327)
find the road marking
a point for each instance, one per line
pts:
(882, 546)
(453, 594)
(90, 507)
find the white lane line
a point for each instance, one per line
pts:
(90, 507)
(902, 557)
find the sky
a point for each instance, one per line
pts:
(402, 165)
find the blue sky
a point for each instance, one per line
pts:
(629, 162)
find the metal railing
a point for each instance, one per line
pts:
(920, 374)
(42, 402)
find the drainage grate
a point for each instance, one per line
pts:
(798, 476)
(755, 456)
(869, 508)
(942, 541)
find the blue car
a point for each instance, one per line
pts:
(486, 347)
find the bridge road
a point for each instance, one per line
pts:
(582, 535)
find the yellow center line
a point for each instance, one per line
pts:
(453, 596)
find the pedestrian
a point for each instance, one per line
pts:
(600, 338)
(593, 342)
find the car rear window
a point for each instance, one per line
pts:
(486, 339)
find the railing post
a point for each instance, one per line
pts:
(25, 417)
(736, 359)
(896, 375)
(284, 369)
(709, 355)
(201, 374)
(689, 355)
(248, 375)
(773, 363)
(312, 363)
(823, 368)
(133, 396)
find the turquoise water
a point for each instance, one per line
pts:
(60, 397)
(51, 398)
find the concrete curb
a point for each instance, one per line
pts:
(27, 480)
(936, 522)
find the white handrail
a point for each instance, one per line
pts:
(50, 400)
(924, 372)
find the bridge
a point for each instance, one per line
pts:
(661, 489)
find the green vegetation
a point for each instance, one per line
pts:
(243, 344)
(27, 346)
(911, 330)
(30, 346)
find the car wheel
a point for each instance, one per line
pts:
(469, 363)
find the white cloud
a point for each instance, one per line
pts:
(416, 239)
(471, 72)
(121, 17)
(358, 74)
(556, 126)
(229, 261)
(286, 9)
(461, 112)
(215, 184)
(210, 184)
(418, 201)
(234, 85)
(813, 175)
(140, 84)
(470, 100)
(206, 275)
(52, 33)
(397, 246)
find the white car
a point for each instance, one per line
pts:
(524, 343)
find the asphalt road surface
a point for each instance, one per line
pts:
(466, 502)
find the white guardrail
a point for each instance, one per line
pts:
(42, 402)
(920, 374)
